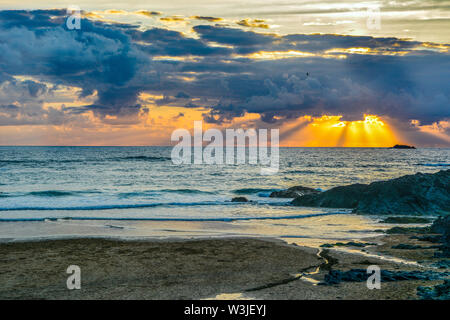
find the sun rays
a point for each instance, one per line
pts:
(331, 131)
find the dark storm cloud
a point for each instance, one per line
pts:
(182, 95)
(115, 63)
(38, 19)
(10, 109)
(98, 57)
(400, 87)
(249, 41)
(21, 103)
(231, 36)
(319, 42)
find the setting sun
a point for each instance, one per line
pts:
(331, 131)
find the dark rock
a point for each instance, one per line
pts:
(438, 232)
(293, 192)
(348, 244)
(338, 197)
(442, 264)
(366, 262)
(405, 246)
(439, 292)
(421, 194)
(442, 226)
(239, 199)
(359, 244)
(360, 275)
(428, 238)
(403, 146)
(404, 230)
(405, 220)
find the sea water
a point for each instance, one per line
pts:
(48, 192)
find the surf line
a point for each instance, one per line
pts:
(230, 219)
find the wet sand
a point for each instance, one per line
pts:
(191, 269)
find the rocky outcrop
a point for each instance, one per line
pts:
(406, 220)
(293, 192)
(442, 264)
(421, 194)
(360, 275)
(239, 199)
(438, 232)
(439, 292)
(348, 244)
(442, 226)
(407, 246)
(409, 230)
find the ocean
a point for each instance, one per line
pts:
(48, 192)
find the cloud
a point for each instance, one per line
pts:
(253, 23)
(182, 95)
(232, 36)
(159, 41)
(214, 69)
(173, 19)
(148, 13)
(22, 103)
(205, 18)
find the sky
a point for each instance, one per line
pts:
(325, 73)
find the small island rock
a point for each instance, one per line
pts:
(239, 199)
(293, 192)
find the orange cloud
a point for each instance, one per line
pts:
(210, 19)
(439, 129)
(155, 127)
(172, 19)
(253, 23)
(148, 13)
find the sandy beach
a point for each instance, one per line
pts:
(195, 269)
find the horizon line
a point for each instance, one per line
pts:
(166, 146)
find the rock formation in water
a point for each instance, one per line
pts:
(403, 146)
(239, 199)
(293, 192)
(422, 194)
